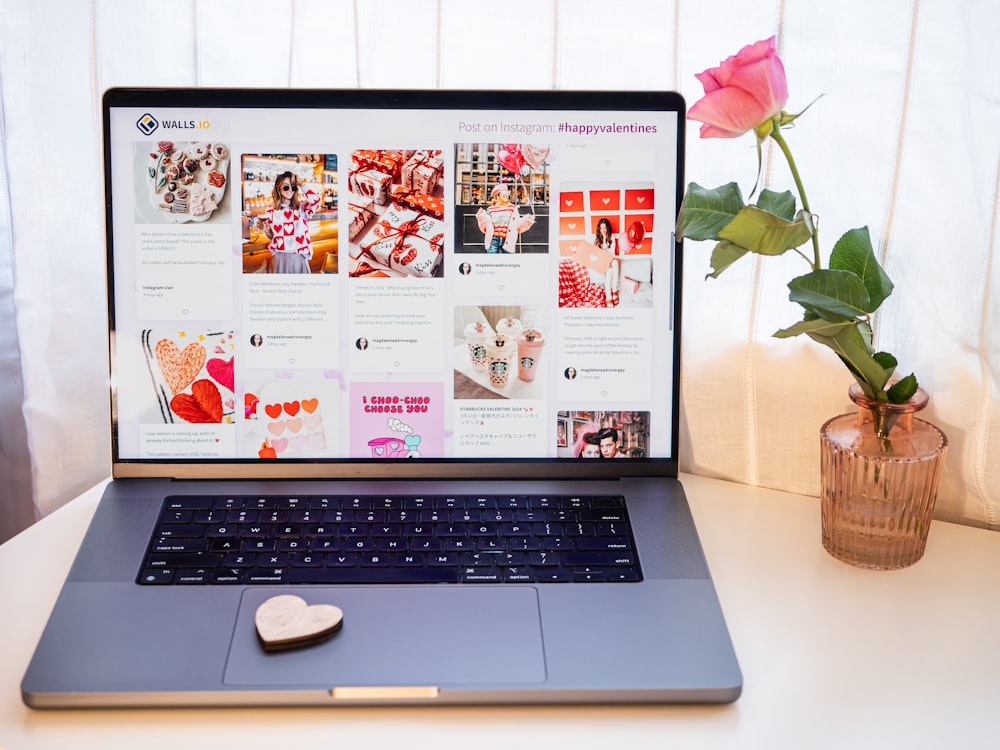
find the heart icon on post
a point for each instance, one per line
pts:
(287, 621)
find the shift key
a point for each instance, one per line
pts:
(596, 559)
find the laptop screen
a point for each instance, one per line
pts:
(350, 278)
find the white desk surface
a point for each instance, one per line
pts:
(832, 656)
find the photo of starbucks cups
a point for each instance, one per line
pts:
(530, 343)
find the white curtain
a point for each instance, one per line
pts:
(905, 140)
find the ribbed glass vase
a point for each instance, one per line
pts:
(880, 471)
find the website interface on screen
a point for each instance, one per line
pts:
(324, 284)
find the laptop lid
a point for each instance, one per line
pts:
(441, 283)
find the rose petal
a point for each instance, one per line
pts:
(765, 81)
(727, 113)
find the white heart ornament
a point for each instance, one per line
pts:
(287, 621)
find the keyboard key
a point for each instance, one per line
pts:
(157, 576)
(372, 575)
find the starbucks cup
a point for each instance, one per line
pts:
(500, 353)
(529, 348)
(475, 334)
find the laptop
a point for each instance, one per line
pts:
(394, 387)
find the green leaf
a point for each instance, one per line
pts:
(762, 232)
(903, 390)
(817, 325)
(724, 255)
(887, 361)
(833, 295)
(853, 252)
(781, 205)
(853, 346)
(705, 212)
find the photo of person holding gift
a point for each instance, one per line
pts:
(286, 224)
(501, 223)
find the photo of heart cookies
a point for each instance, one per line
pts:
(192, 376)
(185, 180)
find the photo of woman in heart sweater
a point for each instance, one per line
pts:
(286, 224)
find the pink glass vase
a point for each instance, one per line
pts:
(880, 471)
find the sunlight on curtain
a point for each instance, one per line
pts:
(904, 140)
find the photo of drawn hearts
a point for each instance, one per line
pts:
(605, 245)
(285, 419)
(192, 376)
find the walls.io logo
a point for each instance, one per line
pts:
(147, 124)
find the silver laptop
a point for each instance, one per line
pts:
(395, 401)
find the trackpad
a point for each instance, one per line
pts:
(400, 635)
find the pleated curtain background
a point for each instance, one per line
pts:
(905, 140)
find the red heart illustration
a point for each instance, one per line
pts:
(222, 371)
(288, 215)
(301, 239)
(203, 406)
(273, 410)
(292, 407)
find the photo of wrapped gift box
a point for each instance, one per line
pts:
(395, 213)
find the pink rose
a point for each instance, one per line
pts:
(744, 91)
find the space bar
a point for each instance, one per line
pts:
(373, 575)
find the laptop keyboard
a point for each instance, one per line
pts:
(444, 539)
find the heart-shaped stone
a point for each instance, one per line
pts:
(287, 621)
